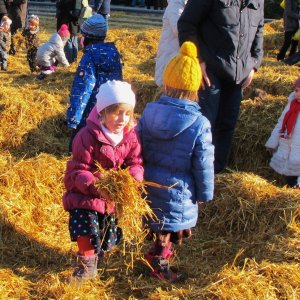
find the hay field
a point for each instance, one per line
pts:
(247, 243)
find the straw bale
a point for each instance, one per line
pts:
(246, 203)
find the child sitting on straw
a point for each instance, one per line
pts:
(110, 140)
(5, 40)
(30, 34)
(285, 140)
(51, 53)
(178, 152)
(100, 62)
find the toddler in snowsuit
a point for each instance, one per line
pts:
(5, 40)
(51, 53)
(30, 34)
(100, 62)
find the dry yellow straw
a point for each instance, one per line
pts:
(131, 206)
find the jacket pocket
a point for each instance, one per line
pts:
(295, 155)
(283, 150)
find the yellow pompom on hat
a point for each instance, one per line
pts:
(183, 70)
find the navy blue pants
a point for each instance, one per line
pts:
(71, 49)
(220, 103)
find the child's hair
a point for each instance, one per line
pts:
(297, 83)
(114, 95)
(181, 94)
(114, 108)
(6, 20)
(182, 76)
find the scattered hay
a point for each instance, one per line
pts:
(247, 243)
(131, 206)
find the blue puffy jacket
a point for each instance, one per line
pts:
(177, 149)
(100, 63)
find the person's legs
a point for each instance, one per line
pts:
(286, 44)
(158, 258)
(294, 45)
(292, 181)
(3, 57)
(71, 49)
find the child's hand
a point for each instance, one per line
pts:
(104, 194)
(109, 207)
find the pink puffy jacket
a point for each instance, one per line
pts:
(90, 146)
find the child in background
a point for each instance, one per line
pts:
(100, 62)
(109, 139)
(51, 53)
(30, 33)
(168, 43)
(5, 39)
(177, 151)
(285, 140)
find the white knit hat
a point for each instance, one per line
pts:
(114, 92)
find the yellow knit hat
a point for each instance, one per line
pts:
(183, 71)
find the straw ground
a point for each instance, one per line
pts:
(246, 245)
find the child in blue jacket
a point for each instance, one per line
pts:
(178, 152)
(101, 62)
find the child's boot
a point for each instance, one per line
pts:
(86, 268)
(161, 270)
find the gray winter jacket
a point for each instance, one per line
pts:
(51, 52)
(291, 15)
(229, 37)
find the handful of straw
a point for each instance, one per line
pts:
(130, 204)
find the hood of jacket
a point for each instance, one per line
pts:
(56, 40)
(168, 117)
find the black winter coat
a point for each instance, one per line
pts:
(64, 16)
(17, 12)
(229, 37)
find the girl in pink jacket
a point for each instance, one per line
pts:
(109, 139)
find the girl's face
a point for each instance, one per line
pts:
(5, 27)
(117, 120)
(32, 27)
(297, 94)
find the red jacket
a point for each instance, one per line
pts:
(90, 146)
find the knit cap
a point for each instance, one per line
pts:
(183, 71)
(34, 20)
(64, 31)
(6, 19)
(94, 27)
(114, 92)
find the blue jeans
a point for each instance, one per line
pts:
(3, 58)
(71, 48)
(220, 103)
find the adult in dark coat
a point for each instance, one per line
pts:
(3, 9)
(17, 10)
(229, 38)
(291, 19)
(65, 14)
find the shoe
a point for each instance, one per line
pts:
(86, 268)
(160, 269)
(41, 76)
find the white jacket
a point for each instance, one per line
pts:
(51, 52)
(286, 158)
(168, 44)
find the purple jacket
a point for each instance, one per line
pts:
(90, 146)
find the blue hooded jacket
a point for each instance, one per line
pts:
(177, 149)
(100, 63)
